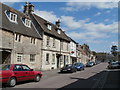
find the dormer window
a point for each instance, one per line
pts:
(11, 16)
(26, 22)
(49, 26)
(58, 31)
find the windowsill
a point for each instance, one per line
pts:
(32, 62)
(54, 47)
(47, 46)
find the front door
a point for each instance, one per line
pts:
(64, 60)
(57, 61)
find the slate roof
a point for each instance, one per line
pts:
(20, 27)
(53, 32)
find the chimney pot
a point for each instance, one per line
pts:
(58, 23)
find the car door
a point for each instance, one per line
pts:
(17, 70)
(27, 72)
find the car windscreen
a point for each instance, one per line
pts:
(68, 65)
(78, 64)
(5, 67)
(114, 63)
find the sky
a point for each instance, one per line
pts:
(93, 23)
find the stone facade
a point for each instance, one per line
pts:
(73, 57)
(50, 58)
(24, 48)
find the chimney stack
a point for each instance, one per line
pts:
(28, 8)
(58, 23)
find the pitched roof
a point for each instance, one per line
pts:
(19, 27)
(53, 32)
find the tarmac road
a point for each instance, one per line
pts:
(89, 78)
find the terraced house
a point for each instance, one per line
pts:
(20, 41)
(55, 43)
(29, 39)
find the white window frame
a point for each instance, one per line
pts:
(19, 58)
(49, 26)
(53, 59)
(59, 32)
(54, 43)
(27, 22)
(47, 59)
(33, 40)
(13, 20)
(18, 37)
(48, 41)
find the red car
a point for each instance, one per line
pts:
(12, 73)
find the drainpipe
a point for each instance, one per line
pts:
(13, 59)
(60, 55)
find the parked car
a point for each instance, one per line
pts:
(90, 64)
(79, 66)
(68, 68)
(114, 65)
(10, 74)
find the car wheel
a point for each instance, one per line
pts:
(37, 78)
(83, 68)
(12, 82)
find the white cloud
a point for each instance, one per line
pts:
(50, 16)
(108, 11)
(114, 43)
(75, 6)
(97, 14)
(87, 29)
(106, 20)
(73, 24)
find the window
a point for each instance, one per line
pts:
(67, 46)
(18, 37)
(32, 40)
(54, 44)
(49, 26)
(17, 68)
(19, 57)
(61, 45)
(26, 68)
(67, 60)
(26, 22)
(11, 16)
(47, 58)
(53, 59)
(48, 41)
(58, 31)
(32, 57)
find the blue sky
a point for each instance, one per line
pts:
(93, 23)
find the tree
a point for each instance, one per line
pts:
(114, 50)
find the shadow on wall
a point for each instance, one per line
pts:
(97, 81)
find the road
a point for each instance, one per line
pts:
(93, 77)
(89, 78)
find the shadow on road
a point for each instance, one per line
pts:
(104, 79)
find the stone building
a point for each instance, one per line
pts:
(55, 43)
(20, 42)
(73, 55)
